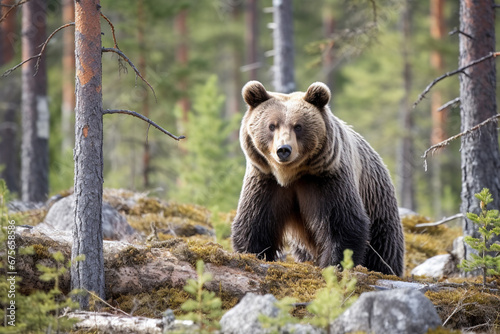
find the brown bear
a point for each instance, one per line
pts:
(313, 180)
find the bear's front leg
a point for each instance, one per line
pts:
(258, 227)
(336, 218)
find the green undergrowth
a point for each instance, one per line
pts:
(170, 225)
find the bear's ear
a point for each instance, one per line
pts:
(318, 94)
(254, 93)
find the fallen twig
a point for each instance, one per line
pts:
(449, 74)
(144, 118)
(442, 221)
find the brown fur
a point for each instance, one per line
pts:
(330, 191)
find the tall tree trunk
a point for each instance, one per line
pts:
(35, 110)
(10, 97)
(68, 78)
(284, 75)
(88, 156)
(328, 29)
(480, 152)
(406, 169)
(251, 34)
(7, 32)
(141, 22)
(180, 26)
(231, 74)
(438, 133)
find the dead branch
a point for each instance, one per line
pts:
(112, 30)
(144, 118)
(449, 104)
(121, 54)
(39, 55)
(12, 8)
(446, 142)
(442, 221)
(449, 74)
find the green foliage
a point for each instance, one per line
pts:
(336, 296)
(329, 303)
(210, 173)
(488, 222)
(40, 311)
(274, 325)
(204, 308)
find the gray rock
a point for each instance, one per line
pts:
(385, 312)
(244, 317)
(436, 266)
(114, 225)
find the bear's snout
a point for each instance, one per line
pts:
(284, 152)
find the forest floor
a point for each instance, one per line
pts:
(146, 276)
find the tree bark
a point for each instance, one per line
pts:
(328, 54)
(181, 55)
(10, 99)
(35, 110)
(68, 78)
(405, 165)
(7, 33)
(88, 155)
(438, 133)
(141, 22)
(284, 75)
(251, 34)
(480, 151)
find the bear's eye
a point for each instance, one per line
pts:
(272, 127)
(297, 128)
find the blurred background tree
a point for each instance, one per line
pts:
(355, 46)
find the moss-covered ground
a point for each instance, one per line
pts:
(192, 232)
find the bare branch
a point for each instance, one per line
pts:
(112, 30)
(449, 104)
(458, 31)
(19, 3)
(449, 74)
(442, 221)
(121, 54)
(446, 142)
(39, 55)
(144, 118)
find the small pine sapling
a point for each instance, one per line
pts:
(205, 308)
(54, 302)
(275, 325)
(38, 312)
(488, 223)
(336, 296)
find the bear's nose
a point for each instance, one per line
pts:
(284, 152)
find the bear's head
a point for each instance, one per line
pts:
(282, 133)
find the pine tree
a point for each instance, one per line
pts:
(488, 225)
(210, 173)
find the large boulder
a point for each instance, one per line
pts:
(114, 226)
(393, 311)
(244, 317)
